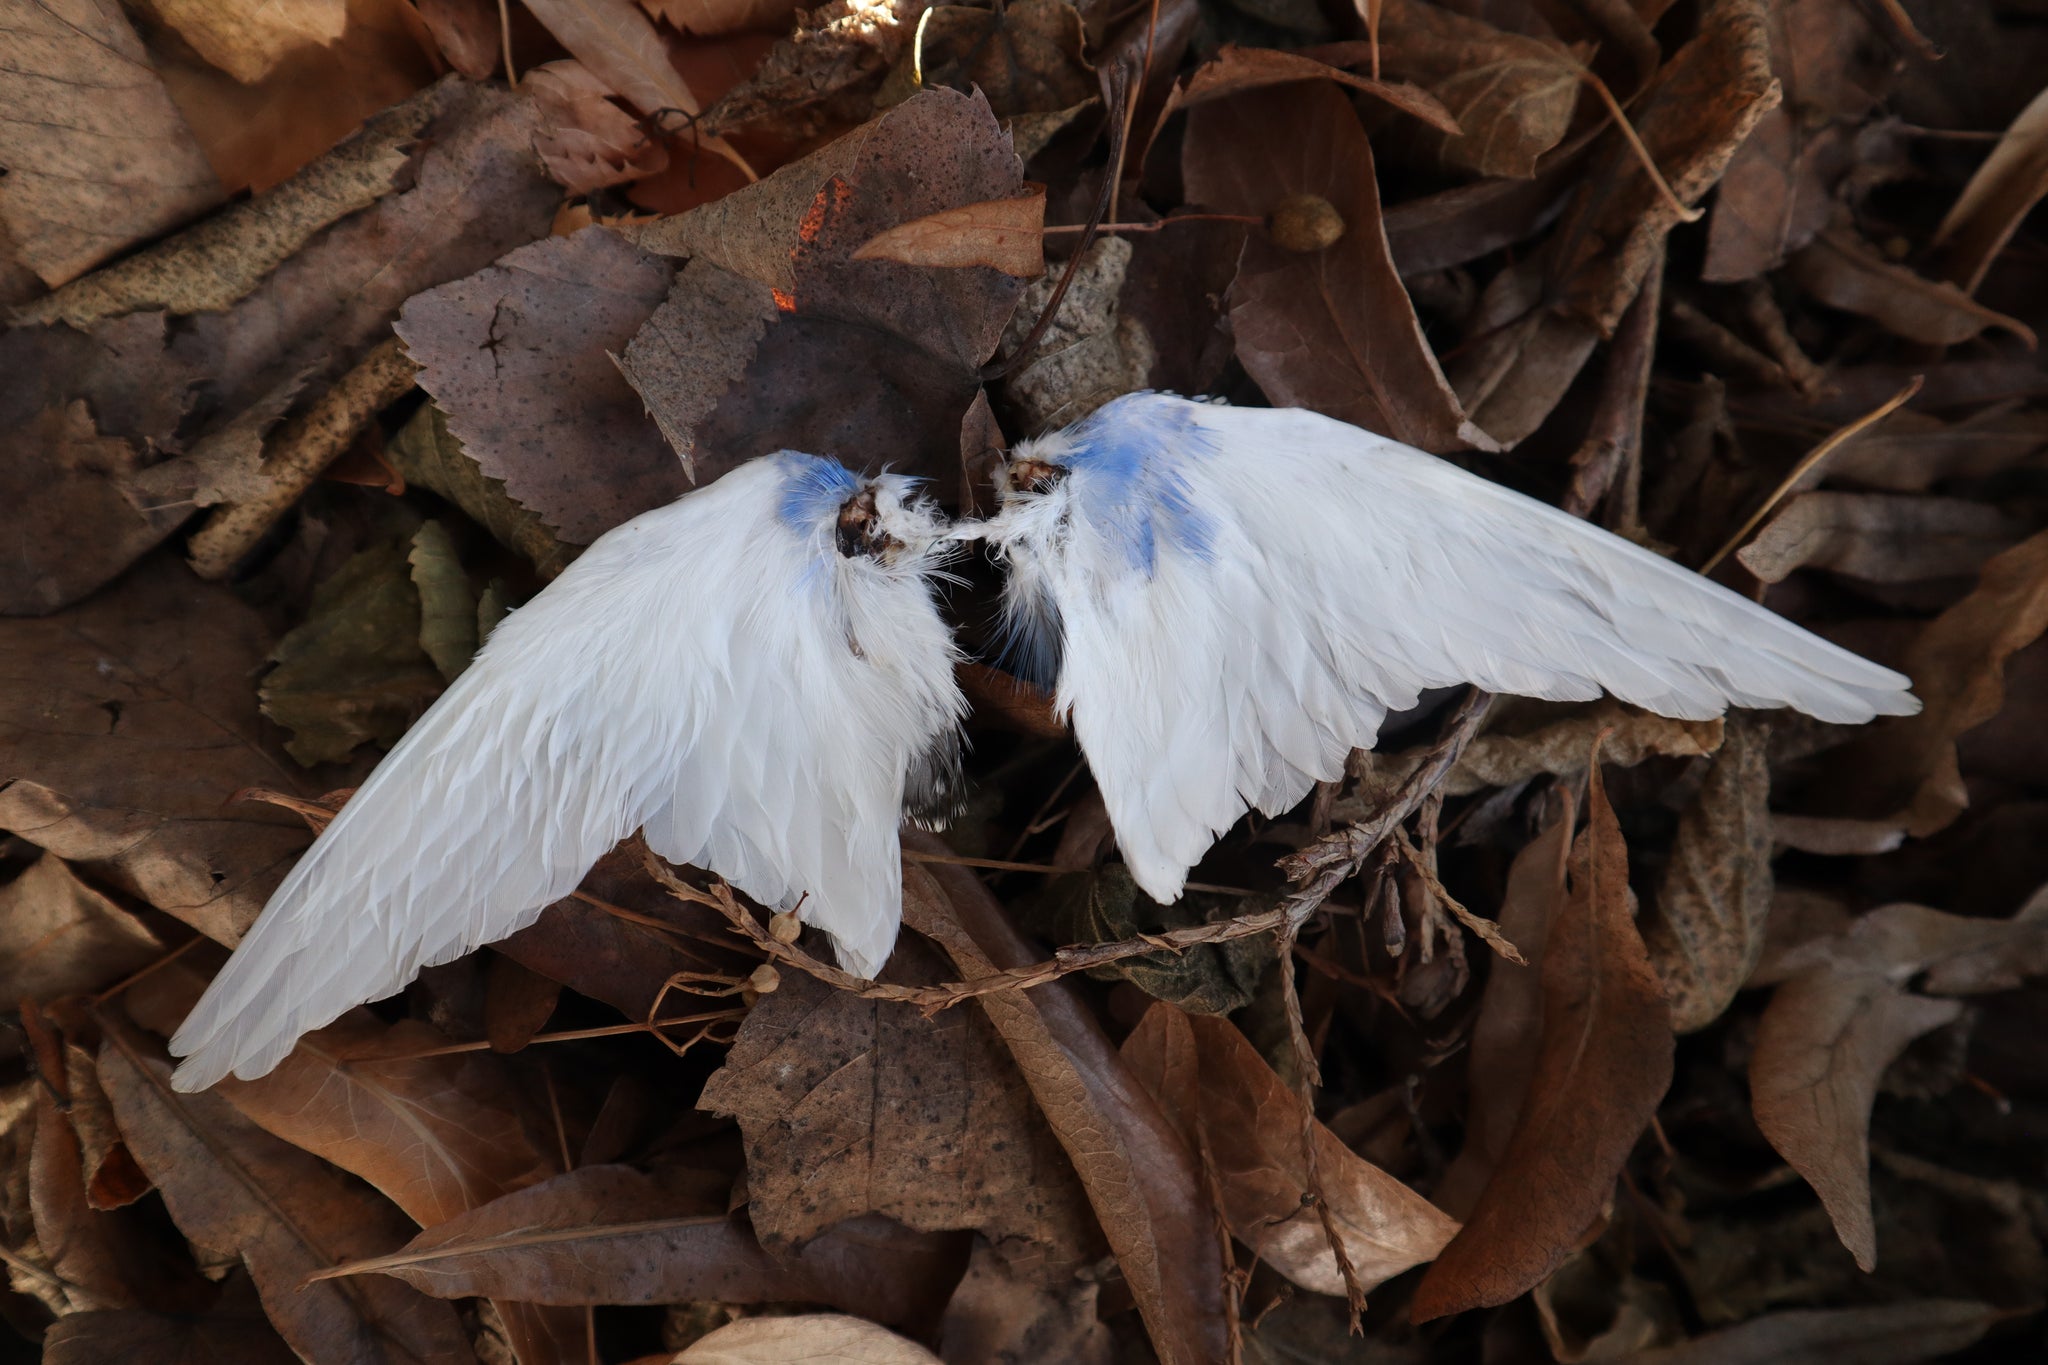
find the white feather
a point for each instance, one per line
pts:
(714, 670)
(1242, 595)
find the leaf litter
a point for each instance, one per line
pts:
(379, 348)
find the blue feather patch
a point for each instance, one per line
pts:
(1129, 454)
(813, 488)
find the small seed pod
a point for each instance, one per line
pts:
(784, 927)
(763, 980)
(1304, 223)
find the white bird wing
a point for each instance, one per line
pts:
(697, 671)
(1243, 594)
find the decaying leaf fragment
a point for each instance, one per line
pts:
(58, 935)
(97, 156)
(1512, 95)
(587, 141)
(1843, 271)
(1232, 1107)
(1604, 1063)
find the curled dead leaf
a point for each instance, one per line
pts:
(1002, 234)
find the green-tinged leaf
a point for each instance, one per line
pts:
(1104, 905)
(449, 626)
(428, 454)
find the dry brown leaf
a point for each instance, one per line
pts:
(1694, 114)
(1714, 900)
(710, 17)
(236, 1191)
(1823, 1042)
(998, 1315)
(773, 337)
(1912, 451)
(467, 32)
(1331, 330)
(1843, 271)
(1604, 1064)
(97, 156)
(59, 936)
(248, 38)
(2003, 191)
(586, 141)
(1089, 353)
(1229, 1104)
(438, 1136)
(1002, 234)
(853, 1106)
(233, 1331)
(611, 1234)
(81, 1244)
(1512, 95)
(812, 1339)
(1881, 1334)
(131, 720)
(1142, 1181)
(1957, 664)
(1523, 357)
(1952, 954)
(1235, 69)
(825, 73)
(1025, 57)
(1880, 538)
(1557, 747)
(519, 357)
(1508, 1032)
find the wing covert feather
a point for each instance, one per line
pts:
(1244, 594)
(696, 671)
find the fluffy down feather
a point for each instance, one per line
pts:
(1242, 595)
(723, 672)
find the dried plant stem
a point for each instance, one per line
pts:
(1247, 218)
(1628, 132)
(505, 40)
(574, 1035)
(1486, 929)
(307, 444)
(1310, 1075)
(1810, 462)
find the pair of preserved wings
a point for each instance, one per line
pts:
(716, 671)
(1237, 597)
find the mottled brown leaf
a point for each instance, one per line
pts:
(97, 156)
(1228, 1103)
(611, 1234)
(1557, 744)
(1331, 330)
(1880, 1334)
(853, 1106)
(1604, 1064)
(1843, 271)
(129, 722)
(1002, 234)
(233, 1331)
(239, 1192)
(773, 337)
(1715, 897)
(1235, 69)
(1025, 57)
(519, 356)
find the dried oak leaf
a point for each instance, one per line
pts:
(1843, 271)
(612, 1234)
(1141, 1180)
(1331, 330)
(1512, 95)
(1880, 537)
(129, 722)
(236, 1191)
(1604, 1063)
(1909, 768)
(59, 936)
(1229, 1104)
(97, 156)
(852, 1106)
(1714, 901)
(1693, 115)
(585, 140)
(774, 337)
